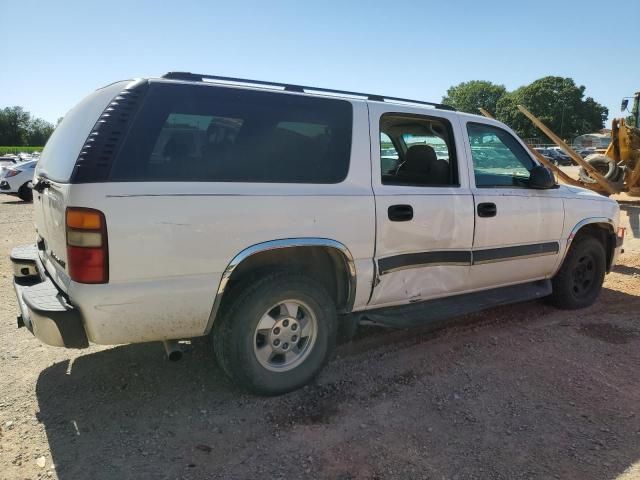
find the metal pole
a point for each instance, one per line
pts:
(635, 111)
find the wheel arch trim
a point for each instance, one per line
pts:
(588, 221)
(578, 226)
(345, 254)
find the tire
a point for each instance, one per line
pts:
(605, 165)
(25, 193)
(255, 339)
(579, 280)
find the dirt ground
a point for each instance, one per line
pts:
(524, 391)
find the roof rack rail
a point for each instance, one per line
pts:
(198, 77)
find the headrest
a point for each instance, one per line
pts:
(419, 158)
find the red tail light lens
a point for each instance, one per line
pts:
(87, 251)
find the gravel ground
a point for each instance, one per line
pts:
(523, 391)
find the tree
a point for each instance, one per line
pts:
(18, 128)
(39, 132)
(14, 122)
(558, 102)
(470, 96)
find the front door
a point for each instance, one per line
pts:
(518, 229)
(424, 207)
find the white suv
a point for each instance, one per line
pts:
(273, 216)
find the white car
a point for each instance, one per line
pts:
(7, 161)
(268, 217)
(17, 179)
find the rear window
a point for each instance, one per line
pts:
(217, 134)
(61, 151)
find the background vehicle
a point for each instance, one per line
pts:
(560, 156)
(274, 218)
(618, 168)
(556, 156)
(544, 152)
(585, 152)
(17, 180)
(7, 161)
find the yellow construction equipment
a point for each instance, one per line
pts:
(620, 163)
(614, 171)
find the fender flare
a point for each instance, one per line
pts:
(346, 255)
(579, 225)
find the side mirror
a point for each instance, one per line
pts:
(541, 178)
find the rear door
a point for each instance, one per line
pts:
(56, 165)
(517, 229)
(424, 207)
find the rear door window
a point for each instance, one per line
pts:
(417, 150)
(217, 134)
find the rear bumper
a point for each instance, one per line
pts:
(44, 309)
(4, 186)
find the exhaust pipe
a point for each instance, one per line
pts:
(173, 350)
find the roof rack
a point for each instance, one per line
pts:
(198, 77)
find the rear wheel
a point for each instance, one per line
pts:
(579, 280)
(25, 193)
(275, 335)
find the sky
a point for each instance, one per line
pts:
(55, 52)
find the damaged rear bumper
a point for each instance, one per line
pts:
(44, 309)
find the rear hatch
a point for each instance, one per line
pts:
(56, 167)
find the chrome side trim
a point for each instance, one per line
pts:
(350, 266)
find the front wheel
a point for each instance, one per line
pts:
(579, 280)
(275, 335)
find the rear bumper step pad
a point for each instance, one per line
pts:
(45, 311)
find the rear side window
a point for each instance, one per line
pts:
(61, 151)
(217, 134)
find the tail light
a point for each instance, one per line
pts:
(11, 173)
(87, 250)
(620, 236)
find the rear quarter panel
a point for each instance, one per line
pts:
(169, 242)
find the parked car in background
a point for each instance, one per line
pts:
(7, 161)
(545, 154)
(559, 157)
(585, 152)
(16, 180)
(555, 156)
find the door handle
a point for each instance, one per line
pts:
(487, 209)
(400, 213)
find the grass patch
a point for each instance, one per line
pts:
(14, 150)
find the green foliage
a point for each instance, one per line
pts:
(558, 102)
(17, 127)
(470, 96)
(14, 150)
